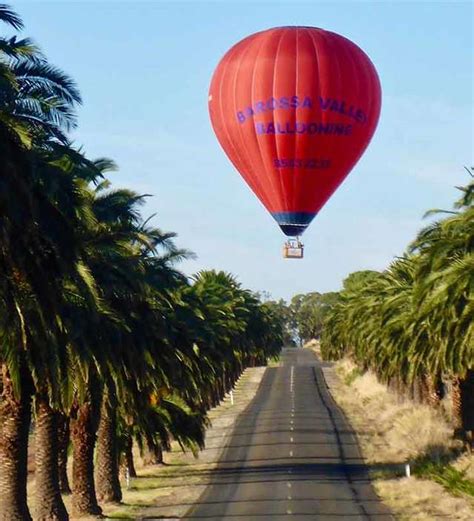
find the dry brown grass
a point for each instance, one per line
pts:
(414, 499)
(314, 346)
(392, 432)
(465, 463)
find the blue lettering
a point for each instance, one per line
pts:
(324, 104)
(360, 116)
(293, 102)
(272, 104)
(300, 128)
(307, 163)
(327, 129)
(285, 102)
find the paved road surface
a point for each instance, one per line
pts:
(292, 456)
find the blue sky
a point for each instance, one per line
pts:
(144, 70)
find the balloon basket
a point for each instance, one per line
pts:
(293, 249)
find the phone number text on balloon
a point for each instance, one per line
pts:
(310, 163)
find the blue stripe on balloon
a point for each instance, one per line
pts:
(293, 223)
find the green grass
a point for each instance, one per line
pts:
(452, 479)
(350, 377)
(386, 471)
(119, 515)
(274, 361)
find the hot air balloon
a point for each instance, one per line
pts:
(294, 108)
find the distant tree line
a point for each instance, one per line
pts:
(303, 317)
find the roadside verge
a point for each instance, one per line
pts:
(392, 433)
(168, 491)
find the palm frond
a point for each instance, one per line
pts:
(9, 17)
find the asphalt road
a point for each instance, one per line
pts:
(292, 455)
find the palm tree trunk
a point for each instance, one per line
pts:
(153, 454)
(456, 403)
(392, 384)
(107, 468)
(158, 453)
(63, 444)
(228, 381)
(222, 387)
(467, 407)
(15, 417)
(49, 503)
(130, 465)
(430, 390)
(236, 374)
(215, 394)
(208, 398)
(84, 500)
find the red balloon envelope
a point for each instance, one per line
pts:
(294, 109)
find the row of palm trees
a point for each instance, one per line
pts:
(413, 324)
(103, 341)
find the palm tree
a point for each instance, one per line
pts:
(46, 458)
(94, 318)
(446, 285)
(36, 104)
(413, 322)
(445, 299)
(121, 258)
(107, 462)
(63, 434)
(233, 335)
